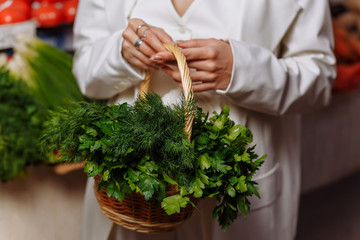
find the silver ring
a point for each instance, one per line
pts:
(140, 26)
(138, 43)
(144, 34)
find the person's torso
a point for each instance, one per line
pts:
(240, 20)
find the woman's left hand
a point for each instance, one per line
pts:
(211, 58)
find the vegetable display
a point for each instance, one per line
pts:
(47, 70)
(36, 79)
(46, 13)
(20, 127)
(142, 148)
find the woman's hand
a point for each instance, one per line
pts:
(141, 41)
(211, 58)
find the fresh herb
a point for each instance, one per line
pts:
(37, 78)
(20, 127)
(225, 165)
(143, 148)
(46, 69)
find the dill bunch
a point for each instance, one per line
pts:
(122, 135)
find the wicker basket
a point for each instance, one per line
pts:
(134, 212)
(65, 168)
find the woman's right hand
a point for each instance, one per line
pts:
(141, 41)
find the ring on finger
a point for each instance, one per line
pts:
(140, 26)
(144, 34)
(138, 42)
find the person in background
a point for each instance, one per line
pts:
(346, 14)
(268, 60)
(354, 5)
(346, 28)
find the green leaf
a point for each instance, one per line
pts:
(216, 211)
(245, 157)
(96, 146)
(106, 175)
(147, 185)
(91, 131)
(204, 162)
(105, 126)
(132, 185)
(173, 203)
(203, 177)
(86, 142)
(133, 175)
(231, 206)
(259, 161)
(183, 191)
(129, 150)
(241, 186)
(219, 123)
(243, 205)
(231, 191)
(234, 132)
(213, 136)
(213, 194)
(233, 180)
(151, 166)
(169, 180)
(198, 185)
(253, 190)
(114, 191)
(91, 168)
(219, 165)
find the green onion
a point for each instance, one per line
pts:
(47, 70)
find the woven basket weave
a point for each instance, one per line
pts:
(134, 212)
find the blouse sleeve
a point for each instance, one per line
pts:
(100, 69)
(299, 79)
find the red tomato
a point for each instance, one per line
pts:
(21, 6)
(26, 1)
(9, 15)
(69, 10)
(49, 1)
(47, 15)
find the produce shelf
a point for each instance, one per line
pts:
(8, 32)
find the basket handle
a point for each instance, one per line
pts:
(185, 81)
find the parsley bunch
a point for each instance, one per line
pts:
(143, 148)
(225, 165)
